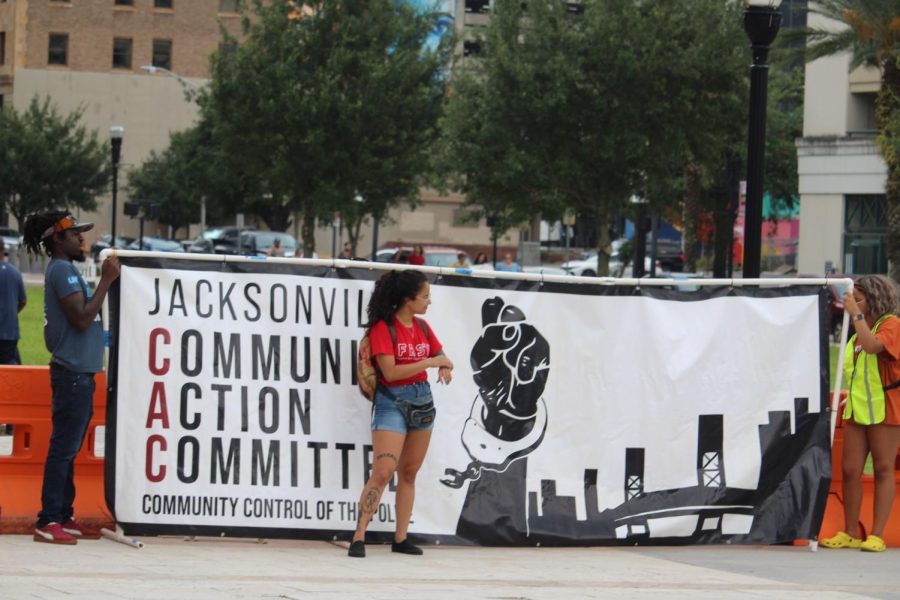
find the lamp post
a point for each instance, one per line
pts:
(190, 90)
(115, 137)
(761, 22)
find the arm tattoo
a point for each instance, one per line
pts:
(388, 456)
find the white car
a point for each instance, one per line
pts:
(11, 240)
(587, 266)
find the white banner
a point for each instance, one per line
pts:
(642, 418)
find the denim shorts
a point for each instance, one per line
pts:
(403, 408)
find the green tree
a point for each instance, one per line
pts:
(872, 37)
(582, 110)
(49, 161)
(190, 170)
(324, 101)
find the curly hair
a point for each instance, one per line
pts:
(391, 290)
(880, 293)
(35, 226)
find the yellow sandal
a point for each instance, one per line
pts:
(842, 540)
(873, 543)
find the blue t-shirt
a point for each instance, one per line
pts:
(12, 293)
(514, 267)
(81, 352)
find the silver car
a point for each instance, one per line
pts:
(11, 240)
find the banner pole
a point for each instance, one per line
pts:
(836, 390)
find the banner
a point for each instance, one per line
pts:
(578, 414)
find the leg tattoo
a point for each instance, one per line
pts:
(388, 456)
(368, 506)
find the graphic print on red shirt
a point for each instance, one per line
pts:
(412, 346)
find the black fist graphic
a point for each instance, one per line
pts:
(511, 362)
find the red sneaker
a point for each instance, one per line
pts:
(53, 533)
(74, 528)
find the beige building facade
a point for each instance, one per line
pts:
(88, 55)
(841, 175)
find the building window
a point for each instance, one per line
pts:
(58, 53)
(122, 53)
(124, 2)
(163, 4)
(478, 6)
(162, 54)
(865, 234)
(228, 6)
(2, 47)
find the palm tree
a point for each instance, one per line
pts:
(872, 36)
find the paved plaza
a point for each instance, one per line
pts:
(175, 568)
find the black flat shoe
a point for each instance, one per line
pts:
(406, 547)
(357, 549)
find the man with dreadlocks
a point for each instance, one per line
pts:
(74, 336)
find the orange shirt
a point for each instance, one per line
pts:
(889, 367)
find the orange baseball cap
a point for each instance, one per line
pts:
(67, 222)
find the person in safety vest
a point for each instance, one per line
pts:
(872, 410)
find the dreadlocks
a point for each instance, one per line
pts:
(35, 226)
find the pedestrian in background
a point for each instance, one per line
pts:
(12, 301)
(418, 255)
(508, 264)
(275, 249)
(871, 418)
(462, 261)
(403, 412)
(73, 334)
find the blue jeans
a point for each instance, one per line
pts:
(403, 408)
(73, 407)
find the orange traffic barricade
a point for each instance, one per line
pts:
(834, 510)
(25, 400)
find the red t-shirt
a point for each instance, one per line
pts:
(416, 259)
(412, 346)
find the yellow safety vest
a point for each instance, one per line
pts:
(865, 398)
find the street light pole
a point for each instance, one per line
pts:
(115, 134)
(761, 22)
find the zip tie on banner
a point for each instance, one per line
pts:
(119, 536)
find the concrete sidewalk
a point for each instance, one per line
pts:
(170, 567)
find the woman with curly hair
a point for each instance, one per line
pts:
(872, 410)
(404, 347)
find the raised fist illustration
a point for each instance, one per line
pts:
(508, 418)
(511, 362)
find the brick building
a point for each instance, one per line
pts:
(93, 54)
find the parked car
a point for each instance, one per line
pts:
(669, 255)
(257, 243)
(156, 244)
(103, 243)
(217, 240)
(384, 255)
(669, 258)
(11, 240)
(435, 256)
